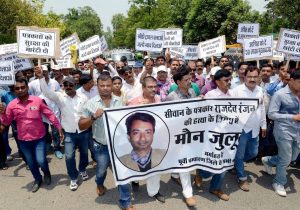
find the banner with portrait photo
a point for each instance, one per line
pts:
(176, 136)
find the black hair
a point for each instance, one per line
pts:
(228, 64)
(208, 61)
(84, 79)
(242, 63)
(139, 116)
(115, 78)
(22, 80)
(145, 60)
(104, 76)
(295, 74)
(76, 72)
(181, 73)
(266, 66)
(174, 59)
(146, 79)
(251, 69)
(221, 73)
(160, 56)
(282, 63)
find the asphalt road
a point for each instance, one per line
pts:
(15, 192)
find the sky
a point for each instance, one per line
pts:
(107, 8)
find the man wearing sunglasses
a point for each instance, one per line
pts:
(70, 103)
(27, 111)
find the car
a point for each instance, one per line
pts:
(117, 54)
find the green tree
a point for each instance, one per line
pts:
(84, 21)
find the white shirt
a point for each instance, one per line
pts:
(69, 107)
(257, 116)
(217, 93)
(132, 91)
(92, 93)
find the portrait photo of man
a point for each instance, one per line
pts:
(140, 133)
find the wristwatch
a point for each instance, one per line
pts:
(93, 118)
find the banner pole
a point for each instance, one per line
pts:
(257, 63)
(288, 62)
(297, 64)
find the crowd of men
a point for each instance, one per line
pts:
(64, 107)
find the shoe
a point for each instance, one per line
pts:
(58, 154)
(47, 179)
(198, 180)
(268, 168)
(176, 180)
(94, 164)
(135, 186)
(220, 194)
(73, 185)
(3, 166)
(279, 189)
(84, 175)
(27, 168)
(131, 207)
(36, 186)
(244, 185)
(190, 201)
(100, 190)
(160, 197)
(9, 157)
(294, 164)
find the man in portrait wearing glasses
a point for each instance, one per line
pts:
(248, 142)
(70, 103)
(27, 111)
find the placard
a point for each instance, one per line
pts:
(177, 136)
(277, 55)
(173, 37)
(289, 42)
(8, 48)
(65, 62)
(20, 64)
(7, 73)
(90, 48)
(247, 30)
(177, 52)
(258, 48)
(34, 42)
(67, 42)
(104, 45)
(149, 40)
(212, 47)
(190, 52)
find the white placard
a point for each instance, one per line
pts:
(289, 42)
(8, 48)
(247, 30)
(149, 40)
(277, 55)
(181, 136)
(7, 73)
(67, 42)
(90, 48)
(212, 47)
(104, 45)
(173, 37)
(258, 48)
(19, 63)
(177, 52)
(36, 42)
(292, 57)
(65, 62)
(190, 52)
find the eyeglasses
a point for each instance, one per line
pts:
(68, 85)
(193, 70)
(20, 88)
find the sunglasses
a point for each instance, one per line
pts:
(20, 88)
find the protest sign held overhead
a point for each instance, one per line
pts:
(247, 30)
(212, 47)
(277, 55)
(90, 48)
(104, 45)
(149, 40)
(258, 48)
(34, 42)
(177, 52)
(190, 52)
(186, 135)
(289, 42)
(65, 62)
(7, 73)
(8, 48)
(19, 63)
(67, 42)
(173, 37)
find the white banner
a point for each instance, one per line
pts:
(247, 30)
(292, 57)
(8, 48)
(149, 40)
(65, 62)
(90, 48)
(104, 45)
(36, 42)
(212, 47)
(67, 42)
(7, 74)
(258, 48)
(277, 55)
(177, 52)
(191, 52)
(173, 37)
(289, 42)
(19, 63)
(175, 136)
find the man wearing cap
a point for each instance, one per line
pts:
(57, 74)
(137, 68)
(163, 82)
(211, 85)
(70, 103)
(34, 89)
(100, 64)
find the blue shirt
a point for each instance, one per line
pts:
(7, 96)
(273, 87)
(284, 105)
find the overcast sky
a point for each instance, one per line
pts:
(107, 8)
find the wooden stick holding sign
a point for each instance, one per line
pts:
(257, 63)
(288, 61)
(297, 64)
(39, 62)
(212, 61)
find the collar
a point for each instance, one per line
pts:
(29, 99)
